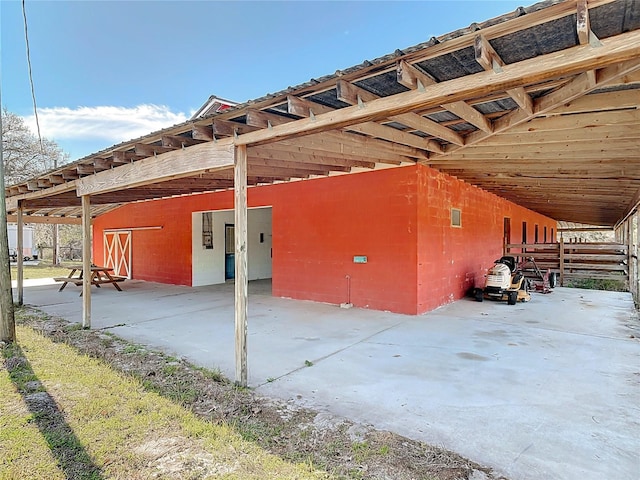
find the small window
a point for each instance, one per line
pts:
(207, 230)
(456, 217)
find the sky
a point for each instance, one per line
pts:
(105, 72)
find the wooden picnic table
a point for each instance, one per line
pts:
(99, 276)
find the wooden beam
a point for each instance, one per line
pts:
(167, 166)
(578, 86)
(600, 134)
(227, 128)
(545, 67)
(579, 121)
(277, 152)
(364, 148)
(122, 157)
(354, 95)
(202, 132)
(85, 169)
(266, 120)
(46, 219)
(582, 22)
(100, 164)
(260, 119)
(489, 59)
(305, 108)
(602, 147)
(632, 207)
(586, 229)
(470, 115)
(86, 261)
(177, 141)
(275, 168)
(151, 150)
(583, 26)
(599, 102)
(409, 76)
(241, 276)
(70, 174)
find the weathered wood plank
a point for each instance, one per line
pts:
(46, 219)
(166, 166)
(241, 276)
(354, 95)
(566, 62)
(86, 261)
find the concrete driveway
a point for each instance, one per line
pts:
(544, 390)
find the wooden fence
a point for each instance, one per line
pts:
(574, 261)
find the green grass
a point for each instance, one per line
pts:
(44, 270)
(103, 424)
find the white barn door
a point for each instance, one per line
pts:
(117, 252)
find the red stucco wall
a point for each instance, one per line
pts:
(399, 218)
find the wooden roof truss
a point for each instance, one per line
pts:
(553, 125)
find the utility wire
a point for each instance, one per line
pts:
(33, 91)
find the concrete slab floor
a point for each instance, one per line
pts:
(548, 389)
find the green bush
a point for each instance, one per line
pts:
(597, 284)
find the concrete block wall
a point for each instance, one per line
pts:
(452, 260)
(320, 225)
(398, 218)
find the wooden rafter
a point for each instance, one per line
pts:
(577, 87)
(572, 61)
(574, 141)
(411, 77)
(489, 59)
(305, 108)
(354, 95)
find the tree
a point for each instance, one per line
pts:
(22, 154)
(24, 158)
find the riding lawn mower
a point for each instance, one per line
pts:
(508, 280)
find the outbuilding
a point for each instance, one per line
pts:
(391, 185)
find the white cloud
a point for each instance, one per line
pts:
(105, 123)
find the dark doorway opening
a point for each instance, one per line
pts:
(229, 252)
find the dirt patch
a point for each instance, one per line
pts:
(345, 449)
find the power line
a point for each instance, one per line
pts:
(33, 91)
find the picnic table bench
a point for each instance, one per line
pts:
(99, 276)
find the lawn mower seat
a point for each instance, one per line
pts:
(509, 262)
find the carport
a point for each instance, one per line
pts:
(539, 106)
(546, 389)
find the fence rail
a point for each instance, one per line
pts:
(601, 261)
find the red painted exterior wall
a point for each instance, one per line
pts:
(320, 225)
(452, 260)
(398, 218)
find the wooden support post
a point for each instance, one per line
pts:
(561, 261)
(20, 256)
(7, 318)
(86, 261)
(636, 280)
(241, 280)
(630, 259)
